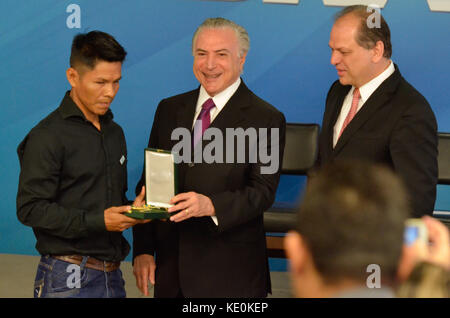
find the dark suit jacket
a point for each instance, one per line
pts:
(196, 256)
(395, 127)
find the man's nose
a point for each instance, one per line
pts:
(110, 90)
(334, 58)
(211, 62)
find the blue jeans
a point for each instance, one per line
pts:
(59, 279)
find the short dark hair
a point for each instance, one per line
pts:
(352, 215)
(367, 37)
(89, 48)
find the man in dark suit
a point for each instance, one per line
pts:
(215, 245)
(393, 123)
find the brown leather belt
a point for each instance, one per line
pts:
(91, 262)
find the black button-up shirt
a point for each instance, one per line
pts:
(70, 173)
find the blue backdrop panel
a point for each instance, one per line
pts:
(288, 65)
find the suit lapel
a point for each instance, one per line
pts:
(185, 114)
(330, 121)
(379, 98)
(184, 118)
(231, 115)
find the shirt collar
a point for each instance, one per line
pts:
(220, 99)
(367, 89)
(68, 108)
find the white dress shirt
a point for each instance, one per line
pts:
(220, 101)
(365, 91)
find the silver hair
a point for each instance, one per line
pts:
(214, 23)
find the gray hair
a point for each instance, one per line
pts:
(214, 23)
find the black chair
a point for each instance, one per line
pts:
(300, 154)
(444, 158)
(444, 172)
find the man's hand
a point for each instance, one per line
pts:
(437, 251)
(144, 270)
(191, 204)
(140, 199)
(116, 221)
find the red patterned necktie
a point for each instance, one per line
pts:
(203, 119)
(352, 112)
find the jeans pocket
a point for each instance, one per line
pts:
(39, 281)
(116, 284)
(38, 287)
(65, 280)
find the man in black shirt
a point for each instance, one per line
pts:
(73, 179)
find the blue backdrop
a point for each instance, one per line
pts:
(288, 65)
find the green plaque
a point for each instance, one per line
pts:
(160, 185)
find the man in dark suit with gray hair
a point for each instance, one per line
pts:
(215, 245)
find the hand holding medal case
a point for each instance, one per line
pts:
(160, 185)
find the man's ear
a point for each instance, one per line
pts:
(378, 52)
(73, 76)
(242, 61)
(296, 251)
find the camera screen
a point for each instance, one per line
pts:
(411, 234)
